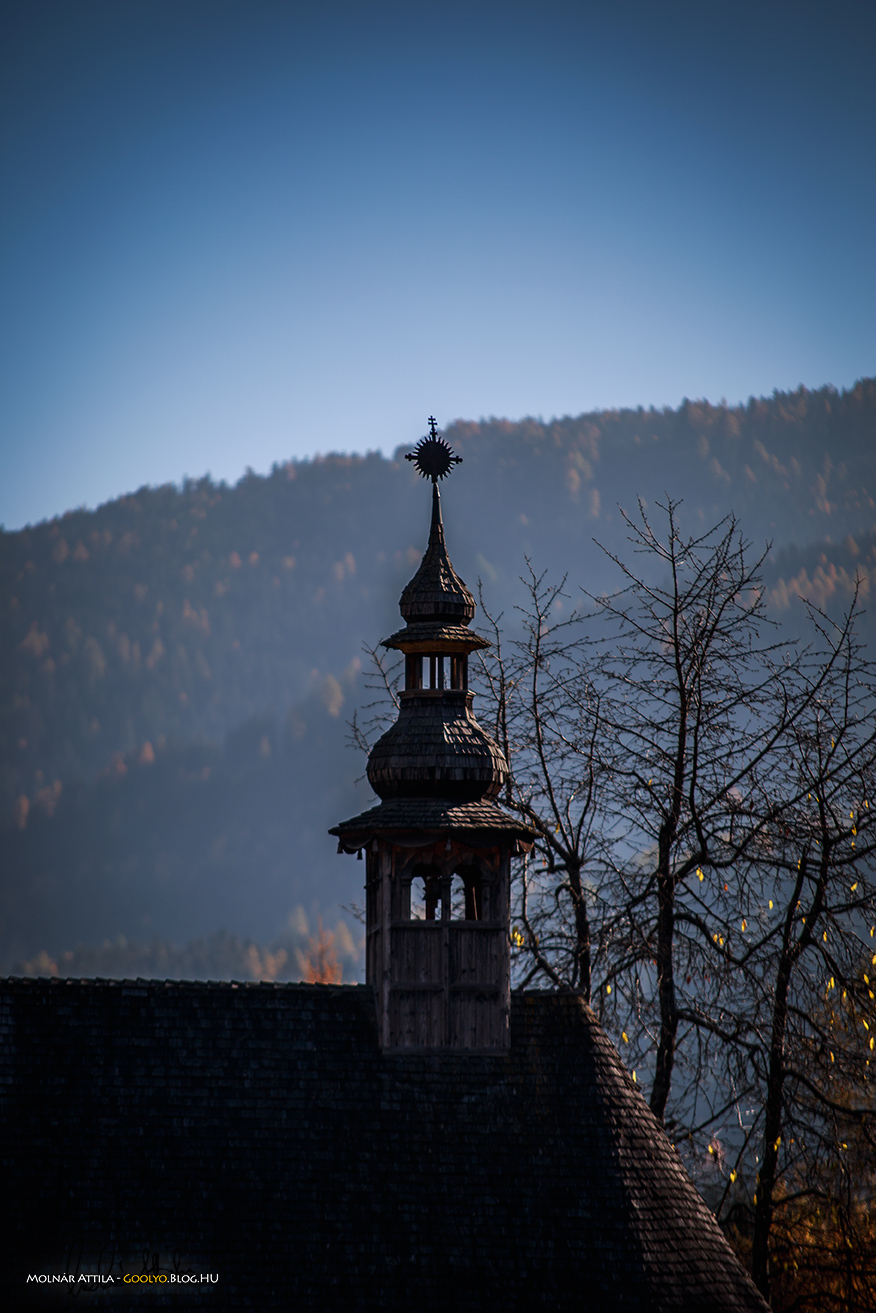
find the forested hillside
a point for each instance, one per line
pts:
(177, 667)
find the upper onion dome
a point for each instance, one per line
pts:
(436, 593)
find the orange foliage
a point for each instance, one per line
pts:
(319, 965)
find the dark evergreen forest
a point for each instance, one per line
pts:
(177, 667)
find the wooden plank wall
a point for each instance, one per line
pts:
(444, 983)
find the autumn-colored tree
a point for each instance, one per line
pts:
(807, 971)
(319, 963)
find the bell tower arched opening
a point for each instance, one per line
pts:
(427, 894)
(467, 894)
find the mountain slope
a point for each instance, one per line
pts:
(176, 617)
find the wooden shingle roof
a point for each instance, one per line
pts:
(436, 638)
(427, 817)
(436, 748)
(257, 1132)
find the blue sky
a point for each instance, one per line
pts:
(242, 230)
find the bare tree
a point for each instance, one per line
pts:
(547, 717)
(383, 674)
(628, 753)
(700, 699)
(669, 764)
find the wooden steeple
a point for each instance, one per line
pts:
(438, 846)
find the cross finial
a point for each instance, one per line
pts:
(433, 457)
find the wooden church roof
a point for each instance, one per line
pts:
(257, 1133)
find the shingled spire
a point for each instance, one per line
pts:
(436, 592)
(439, 847)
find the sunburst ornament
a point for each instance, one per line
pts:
(433, 457)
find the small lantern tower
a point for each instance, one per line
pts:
(438, 847)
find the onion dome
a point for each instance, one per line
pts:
(436, 749)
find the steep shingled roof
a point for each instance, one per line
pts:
(436, 593)
(257, 1132)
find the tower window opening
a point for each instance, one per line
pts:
(427, 895)
(467, 895)
(436, 672)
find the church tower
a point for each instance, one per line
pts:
(438, 847)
